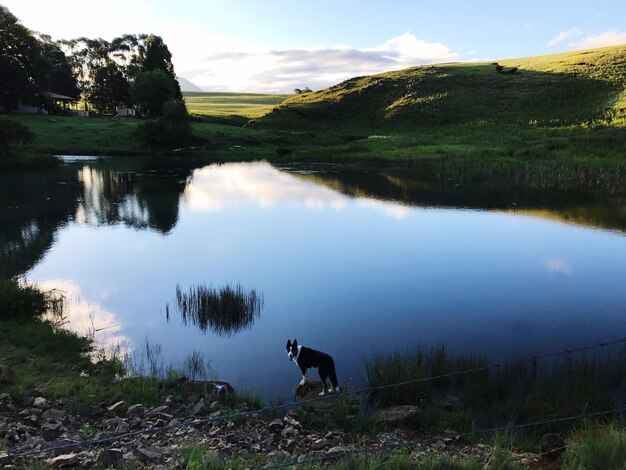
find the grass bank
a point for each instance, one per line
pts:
(50, 360)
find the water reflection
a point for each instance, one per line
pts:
(581, 208)
(224, 311)
(88, 317)
(136, 199)
(34, 205)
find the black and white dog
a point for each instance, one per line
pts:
(307, 358)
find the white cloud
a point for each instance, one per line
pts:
(316, 67)
(89, 318)
(564, 35)
(608, 38)
(579, 39)
(220, 187)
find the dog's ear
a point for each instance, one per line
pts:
(288, 343)
(295, 343)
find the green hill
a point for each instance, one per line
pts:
(583, 87)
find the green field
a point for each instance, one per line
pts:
(248, 105)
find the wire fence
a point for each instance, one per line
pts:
(81, 445)
(434, 439)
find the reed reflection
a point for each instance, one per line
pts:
(225, 311)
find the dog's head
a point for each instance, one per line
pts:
(292, 349)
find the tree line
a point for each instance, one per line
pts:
(133, 69)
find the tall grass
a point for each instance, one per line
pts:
(224, 311)
(598, 449)
(517, 392)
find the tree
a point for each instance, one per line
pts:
(58, 76)
(151, 90)
(159, 57)
(109, 88)
(12, 132)
(20, 74)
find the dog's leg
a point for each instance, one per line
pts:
(305, 373)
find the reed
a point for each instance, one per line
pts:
(224, 311)
(517, 392)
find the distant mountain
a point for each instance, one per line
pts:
(574, 87)
(186, 85)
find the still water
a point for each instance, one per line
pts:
(345, 261)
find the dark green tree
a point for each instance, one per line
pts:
(20, 67)
(151, 90)
(109, 89)
(58, 76)
(159, 57)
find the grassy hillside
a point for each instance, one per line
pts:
(578, 88)
(247, 105)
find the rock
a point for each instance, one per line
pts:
(40, 402)
(51, 430)
(289, 432)
(292, 422)
(65, 460)
(338, 450)
(210, 389)
(117, 409)
(151, 454)
(54, 415)
(276, 425)
(136, 410)
(5, 398)
(404, 414)
(111, 458)
(118, 425)
(291, 445)
(201, 408)
(552, 446)
(7, 375)
(158, 412)
(319, 444)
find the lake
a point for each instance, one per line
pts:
(345, 260)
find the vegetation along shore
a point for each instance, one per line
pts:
(545, 123)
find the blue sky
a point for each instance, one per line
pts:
(276, 45)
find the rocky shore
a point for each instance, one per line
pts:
(120, 434)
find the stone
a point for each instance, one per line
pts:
(40, 402)
(319, 444)
(292, 422)
(276, 425)
(337, 450)
(7, 375)
(291, 444)
(552, 446)
(136, 410)
(117, 409)
(289, 431)
(403, 414)
(54, 415)
(151, 454)
(51, 430)
(201, 407)
(61, 461)
(111, 458)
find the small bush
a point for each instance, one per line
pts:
(21, 301)
(172, 128)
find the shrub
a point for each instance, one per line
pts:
(12, 132)
(171, 128)
(18, 301)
